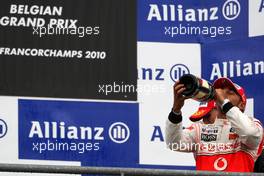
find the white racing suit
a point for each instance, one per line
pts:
(231, 144)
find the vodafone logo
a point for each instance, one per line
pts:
(220, 164)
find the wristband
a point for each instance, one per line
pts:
(224, 102)
(227, 106)
(175, 117)
(176, 113)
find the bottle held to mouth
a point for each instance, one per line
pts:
(197, 88)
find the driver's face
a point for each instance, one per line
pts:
(234, 97)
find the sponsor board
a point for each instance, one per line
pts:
(65, 50)
(191, 21)
(160, 65)
(69, 132)
(10, 141)
(78, 131)
(256, 17)
(241, 61)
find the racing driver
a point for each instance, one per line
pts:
(231, 142)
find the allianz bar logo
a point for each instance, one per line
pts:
(236, 68)
(177, 12)
(60, 136)
(118, 132)
(176, 19)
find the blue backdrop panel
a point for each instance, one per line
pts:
(51, 130)
(240, 60)
(191, 21)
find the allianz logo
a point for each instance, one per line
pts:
(261, 7)
(60, 130)
(177, 12)
(118, 132)
(161, 74)
(236, 69)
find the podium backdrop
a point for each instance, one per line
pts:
(89, 82)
